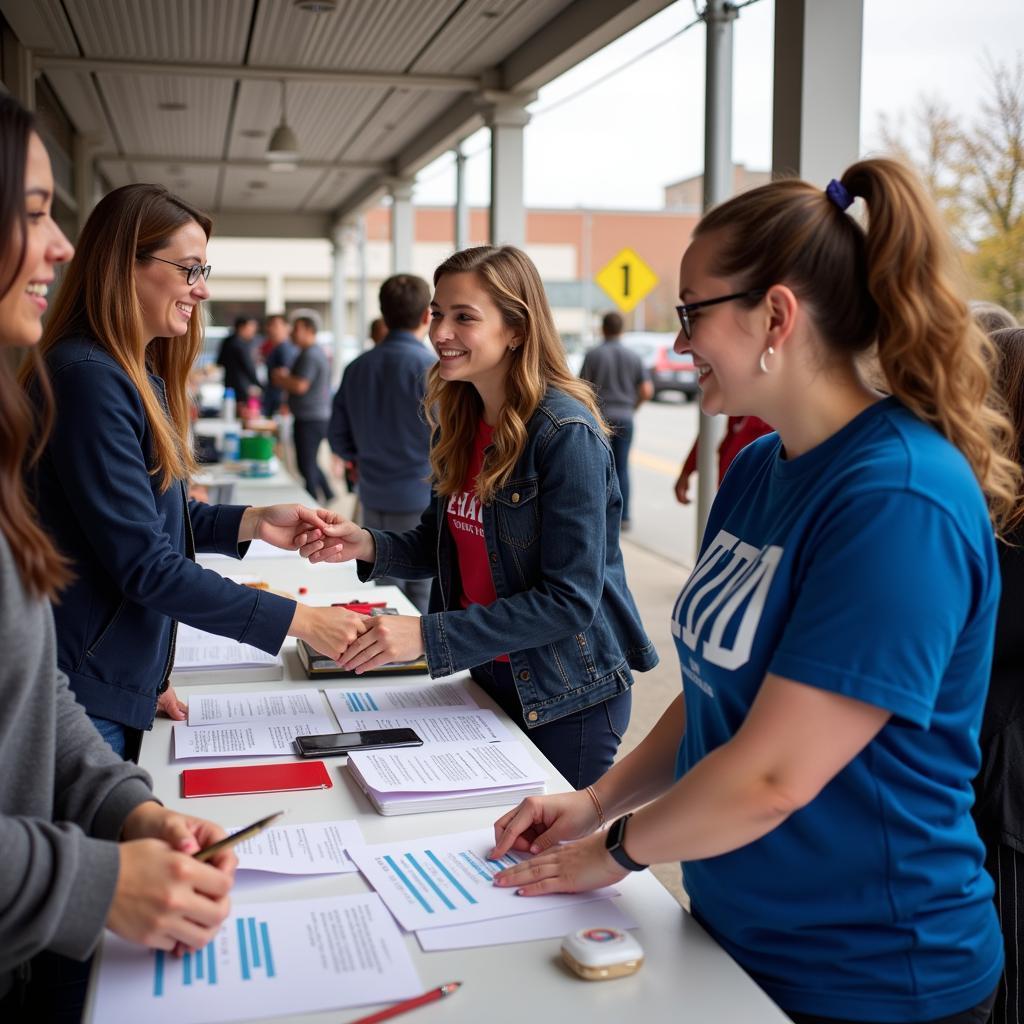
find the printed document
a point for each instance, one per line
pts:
(548, 924)
(314, 848)
(269, 959)
(446, 880)
(394, 698)
(196, 650)
(241, 740)
(434, 725)
(447, 767)
(272, 706)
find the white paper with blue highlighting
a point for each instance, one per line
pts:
(446, 880)
(268, 959)
(373, 698)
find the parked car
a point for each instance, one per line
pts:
(668, 371)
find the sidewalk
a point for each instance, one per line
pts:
(655, 583)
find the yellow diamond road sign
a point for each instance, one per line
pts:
(627, 279)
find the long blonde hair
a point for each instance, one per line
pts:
(98, 297)
(896, 284)
(454, 408)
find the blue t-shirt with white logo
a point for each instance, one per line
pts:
(866, 567)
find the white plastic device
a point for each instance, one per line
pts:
(597, 954)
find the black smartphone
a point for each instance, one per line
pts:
(342, 742)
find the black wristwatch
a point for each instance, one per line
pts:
(613, 844)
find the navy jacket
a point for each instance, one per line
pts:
(130, 545)
(377, 420)
(563, 614)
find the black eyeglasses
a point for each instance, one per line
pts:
(193, 273)
(685, 310)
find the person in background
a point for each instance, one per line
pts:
(110, 485)
(990, 316)
(835, 636)
(377, 420)
(739, 432)
(85, 844)
(236, 356)
(279, 351)
(999, 787)
(308, 386)
(622, 385)
(378, 330)
(521, 537)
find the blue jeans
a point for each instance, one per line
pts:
(581, 745)
(112, 732)
(621, 441)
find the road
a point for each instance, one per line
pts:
(663, 434)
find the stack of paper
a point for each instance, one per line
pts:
(201, 657)
(443, 889)
(446, 776)
(230, 725)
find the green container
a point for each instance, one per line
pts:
(259, 446)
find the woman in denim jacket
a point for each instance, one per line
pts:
(522, 534)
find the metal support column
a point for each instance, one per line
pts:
(84, 149)
(361, 290)
(402, 227)
(718, 18)
(461, 206)
(341, 242)
(19, 71)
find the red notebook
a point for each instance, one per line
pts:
(258, 778)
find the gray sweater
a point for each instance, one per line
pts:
(64, 794)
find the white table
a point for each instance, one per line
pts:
(686, 976)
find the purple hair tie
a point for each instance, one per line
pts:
(838, 193)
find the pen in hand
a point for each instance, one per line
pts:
(410, 1004)
(236, 837)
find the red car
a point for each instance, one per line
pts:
(668, 371)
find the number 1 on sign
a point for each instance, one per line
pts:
(625, 280)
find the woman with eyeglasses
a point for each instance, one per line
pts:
(835, 636)
(84, 843)
(521, 538)
(110, 486)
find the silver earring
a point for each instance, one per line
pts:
(768, 352)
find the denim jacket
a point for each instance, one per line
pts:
(563, 613)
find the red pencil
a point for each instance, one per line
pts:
(410, 1004)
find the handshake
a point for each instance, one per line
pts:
(357, 642)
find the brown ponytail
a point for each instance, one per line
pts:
(42, 570)
(895, 284)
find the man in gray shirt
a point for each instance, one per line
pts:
(621, 383)
(309, 398)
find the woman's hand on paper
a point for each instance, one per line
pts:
(282, 525)
(329, 631)
(164, 898)
(388, 638)
(340, 540)
(169, 705)
(540, 822)
(571, 867)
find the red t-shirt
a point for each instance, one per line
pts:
(466, 524)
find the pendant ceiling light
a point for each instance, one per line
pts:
(283, 145)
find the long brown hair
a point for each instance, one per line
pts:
(454, 408)
(896, 284)
(42, 570)
(1009, 343)
(98, 297)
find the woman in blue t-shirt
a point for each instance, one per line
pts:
(835, 636)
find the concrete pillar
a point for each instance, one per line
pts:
(461, 206)
(402, 226)
(342, 237)
(361, 304)
(275, 292)
(506, 119)
(84, 148)
(19, 71)
(816, 109)
(718, 19)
